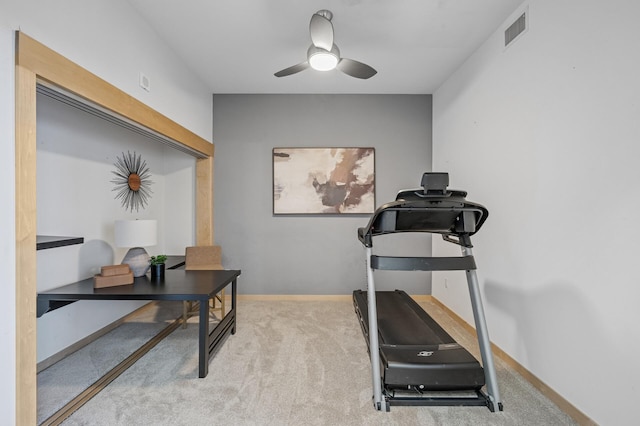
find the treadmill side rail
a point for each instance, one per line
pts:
(483, 335)
(378, 402)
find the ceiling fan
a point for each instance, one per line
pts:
(323, 55)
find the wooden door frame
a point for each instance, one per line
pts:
(36, 62)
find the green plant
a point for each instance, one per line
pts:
(157, 260)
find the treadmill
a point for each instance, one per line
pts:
(414, 361)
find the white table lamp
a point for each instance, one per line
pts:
(135, 234)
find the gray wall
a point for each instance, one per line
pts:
(313, 254)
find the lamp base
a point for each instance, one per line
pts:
(138, 260)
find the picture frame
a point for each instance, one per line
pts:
(320, 181)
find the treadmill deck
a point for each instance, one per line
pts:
(415, 352)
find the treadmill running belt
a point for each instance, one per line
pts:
(415, 351)
(403, 322)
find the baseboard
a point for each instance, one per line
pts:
(544, 389)
(312, 297)
(48, 362)
(295, 297)
(422, 297)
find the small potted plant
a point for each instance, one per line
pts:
(156, 264)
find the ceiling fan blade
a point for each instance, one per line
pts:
(356, 69)
(321, 30)
(292, 70)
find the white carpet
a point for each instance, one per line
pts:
(290, 363)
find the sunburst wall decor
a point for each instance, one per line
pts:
(132, 181)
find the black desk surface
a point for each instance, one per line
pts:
(176, 285)
(175, 262)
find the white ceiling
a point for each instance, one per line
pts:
(235, 46)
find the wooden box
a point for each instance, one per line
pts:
(107, 271)
(100, 281)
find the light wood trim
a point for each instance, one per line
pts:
(422, 297)
(58, 70)
(25, 246)
(34, 62)
(204, 201)
(547, 391)
(295, 297)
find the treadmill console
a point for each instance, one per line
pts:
(432, 208)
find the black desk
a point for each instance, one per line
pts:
(177, 285)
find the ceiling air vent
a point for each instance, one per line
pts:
(515, 29)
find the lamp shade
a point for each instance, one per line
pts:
(136, 233)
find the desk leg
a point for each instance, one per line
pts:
(203, 340)
(233, 304)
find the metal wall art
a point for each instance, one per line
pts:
(133, 183)
(323, 180)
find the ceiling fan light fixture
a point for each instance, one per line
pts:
(323, 60)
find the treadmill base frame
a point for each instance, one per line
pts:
(392, 398)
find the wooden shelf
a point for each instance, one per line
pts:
(44, 242)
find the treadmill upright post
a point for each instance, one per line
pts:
(483, 336)
(374, 349)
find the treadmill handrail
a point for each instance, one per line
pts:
(399, 263)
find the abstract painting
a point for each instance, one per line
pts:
(323, 180)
